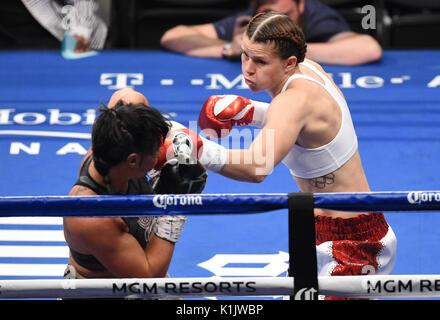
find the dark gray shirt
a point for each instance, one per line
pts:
(320, 22)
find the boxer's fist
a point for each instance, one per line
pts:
(180, 175)
(221, 113)
(180, 139)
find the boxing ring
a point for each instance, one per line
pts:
(303, 285)
(48, 104)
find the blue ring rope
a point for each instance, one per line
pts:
(120, 206)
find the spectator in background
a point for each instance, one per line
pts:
(329, 38)
(77, 18)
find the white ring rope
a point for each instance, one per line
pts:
(365, 286)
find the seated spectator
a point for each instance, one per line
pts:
(329, 38)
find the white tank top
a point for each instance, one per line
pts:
(312, 163)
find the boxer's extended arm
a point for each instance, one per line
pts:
(283, 124)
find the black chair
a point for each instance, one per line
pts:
(356, 12)
(150, 19)
(412, 24)
(20, 30)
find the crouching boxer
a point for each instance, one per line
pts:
(126, 140)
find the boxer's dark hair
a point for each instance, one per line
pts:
(125, 129)
(280, 31)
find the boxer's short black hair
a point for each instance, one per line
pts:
(125, 129)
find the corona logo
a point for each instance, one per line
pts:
(306, 294)
(163, 201)
(418, 197)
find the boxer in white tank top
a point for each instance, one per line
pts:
(310, 130)
(315, 162)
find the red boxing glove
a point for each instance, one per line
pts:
(180, 139)
(222, 112)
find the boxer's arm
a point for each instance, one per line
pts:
(271, 145)
(108, 240)
(119, 252)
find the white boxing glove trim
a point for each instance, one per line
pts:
(214, 156)
(259, 117)
(260, 109)
(223, 103)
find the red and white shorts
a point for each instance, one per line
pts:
(355, 246)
